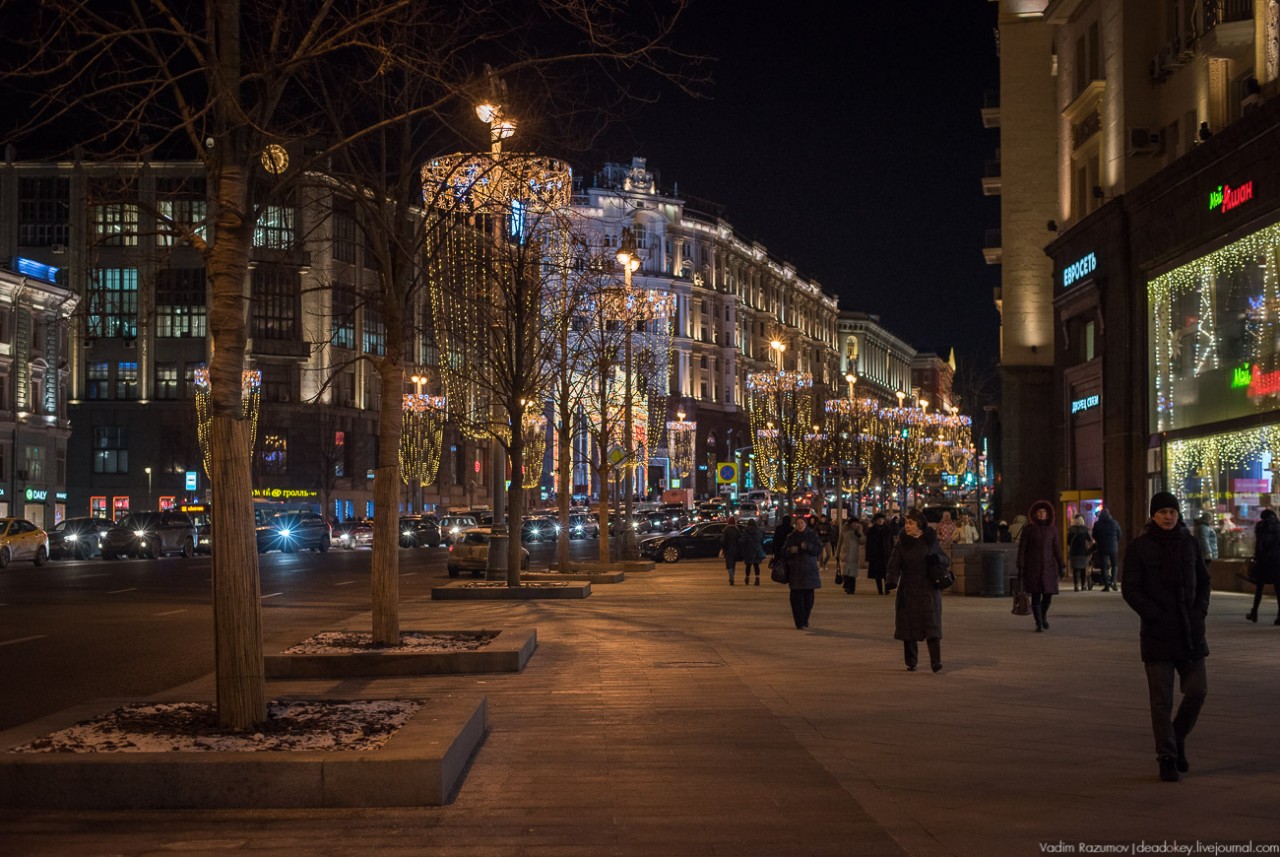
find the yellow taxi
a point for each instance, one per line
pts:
(21, 540)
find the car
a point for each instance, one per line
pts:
(639, 522)
(419, 532)
(21, 540)
(77, 538)
(697, 540)
(660, 522)
(291, 531)
(150, 535)
(471, 553)
(678, 516)
(352, 534)
(539, 529)
(583, 527)
(453, 526)
(712, 511)
(750, 510)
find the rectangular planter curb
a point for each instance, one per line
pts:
(508, 593)
(421, 765)
(601, 577)
(508, 652)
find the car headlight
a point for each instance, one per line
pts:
(69, 537)
(635, 525)
(284, 534)
(578, 528)
(557, 528)
(455, 530)
(408, 533)
(535, 532)
(342, 537)
(140, 533)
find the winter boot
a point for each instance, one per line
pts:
(1251, 616)
(1169, 769)
(1044, 616)
(1035, 611)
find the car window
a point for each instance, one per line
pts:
(713, 530)
(475, 539)
(26, 527)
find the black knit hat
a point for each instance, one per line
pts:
(1163, 500)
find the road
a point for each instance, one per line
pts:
(76, 630)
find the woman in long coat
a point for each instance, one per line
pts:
(800, 552)
(879, 547)
(1040, 560)
(849, 549)
(1266, 561)
(918, 607)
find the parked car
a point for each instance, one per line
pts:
(453, 526)
(21, 540)
(583, 527)
(150, 534)
(419, 533)
(698, 540)
(291, 531)
(471, 553)
(77, 538)
(352, 534)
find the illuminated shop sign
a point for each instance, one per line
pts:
(39, 270)
(1225, 197)
(1079, 269)
(1241, 376)
(37, 495)
(1263, 383)
(284, 494)
(1086, 403)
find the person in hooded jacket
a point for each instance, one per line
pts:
(1079, 549)
(780, 534)
(1166, 582)
(918, 606)
(879, 548)
(1106, 536)
(1015, 529)
(800, 552)
(1266, 561)
(1208, 537)
(1040, 561)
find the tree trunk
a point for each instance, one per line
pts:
(515, 507)
(565, 496)
(384, 577)
(237, 600)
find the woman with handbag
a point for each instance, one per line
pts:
(800, 552)
(1040, 561)
(918, 605)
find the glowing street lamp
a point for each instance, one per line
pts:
(630, 263)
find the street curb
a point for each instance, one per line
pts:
(422, 764)
(508, 652)
(603, 577)
(463, 592)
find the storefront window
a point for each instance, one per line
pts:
(1215, 335)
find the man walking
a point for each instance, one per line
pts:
(1167, 585)
(1106, 535)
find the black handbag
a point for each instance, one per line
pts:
(778, 572)
(940, 576)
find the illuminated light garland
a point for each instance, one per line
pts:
(422, 437)
(1205, 458)
(535, 448)
(680, 444)
(781, 420)
(250, 405)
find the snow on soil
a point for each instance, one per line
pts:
(411, 642)
(193, 727)
(526, 584)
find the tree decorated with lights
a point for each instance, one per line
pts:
(781, 424)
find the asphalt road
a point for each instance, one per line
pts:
(77, 630)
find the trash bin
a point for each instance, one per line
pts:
(993, 573)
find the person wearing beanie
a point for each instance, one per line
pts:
(1106, 540)
(1040, 560)
(1166, 582)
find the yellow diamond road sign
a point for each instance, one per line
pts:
(726, 472)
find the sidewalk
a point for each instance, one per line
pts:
(675, 715)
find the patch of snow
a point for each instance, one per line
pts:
(411, 642)
(526, 584)
(193, 727)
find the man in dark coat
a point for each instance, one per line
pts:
(1040, 560)
(1167, 585)
(800, 552)
(731, 547)
(918, 607)
(1106, 535)
(879, 547)
(1266, 561)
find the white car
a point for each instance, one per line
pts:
(21, 540)
(471, 553)
(749, 510)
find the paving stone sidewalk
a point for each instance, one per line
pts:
(676, 715)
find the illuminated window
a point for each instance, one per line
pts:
(275, 303)
(343, 316)
(181, 210)
(115, 224)
(275, 228)
(98, 381)
(111, 449)
(127, 380)
(112, 303)
(181, 303)
(166, 381)
(274, 457)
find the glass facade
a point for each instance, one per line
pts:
(1214, 357)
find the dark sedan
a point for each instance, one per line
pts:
(419, 533)
(699, 540)
(78, 538)
(291, 531)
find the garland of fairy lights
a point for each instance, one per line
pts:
(535, 448)
(781, 408)
(1208, 276)
(422, 437)
(680, 443)
(1204, 458)
(645, 315)
(250, 405)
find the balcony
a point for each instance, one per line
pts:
(1228, 28)
(991, 108)
(992, 250)
(991, 178)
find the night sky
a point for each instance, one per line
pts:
(852, 149)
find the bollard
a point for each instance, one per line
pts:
(993, 573)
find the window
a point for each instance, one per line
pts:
(98, 381)
(275, 229)
(115, 224)
(276, 385)
(274, 457)
(344, 233)
(166, 381)
(181, 305)
(111, 449)
(189, 381)
(181, 210)
(44, 210)
(1089, 333)
(343, 313)
(127, 380)
(275, 303)
(34, 462)
(375, 332)
(112, 303)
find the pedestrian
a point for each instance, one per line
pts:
(966, 533)
(1040, 561)
(1208, 537)
(730, 546)
(1166, 583)
(918, 606)
(946, 531)
(1015, 529)
(752, 545)
(1266, 561)
(800, 552)
(1002, 533)
(879, 548)
(849, 550)
(1079, 549)
(990, 531)
(1106, 535)
(780, 534)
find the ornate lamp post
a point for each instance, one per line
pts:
(630, 263)
(680, 435)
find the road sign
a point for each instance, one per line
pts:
(726, 472)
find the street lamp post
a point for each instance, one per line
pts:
(630, 263)
(147, 470)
